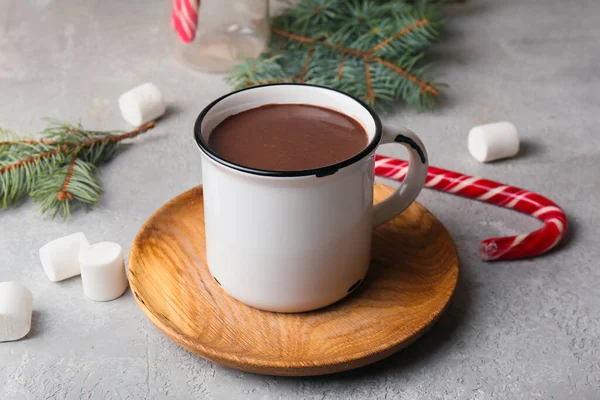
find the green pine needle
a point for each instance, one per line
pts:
(59, 171)
(371, 49)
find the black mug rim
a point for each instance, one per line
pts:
(319, 172)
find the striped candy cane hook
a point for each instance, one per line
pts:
(184, 18)
(501, 248)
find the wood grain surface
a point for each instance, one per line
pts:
(413, 274)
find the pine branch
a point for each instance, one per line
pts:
(58, 170)
(372, 49)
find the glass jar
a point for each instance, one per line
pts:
(228, 31)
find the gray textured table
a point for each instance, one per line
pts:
(525, 329)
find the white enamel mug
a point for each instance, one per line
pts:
(301, 240)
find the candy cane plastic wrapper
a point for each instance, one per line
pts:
(501, 248)
(184, 18)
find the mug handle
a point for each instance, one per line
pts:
(415, 176)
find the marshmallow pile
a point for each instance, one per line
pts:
(102, 270)
(101, 265)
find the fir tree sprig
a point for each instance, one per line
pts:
(59, 171)
(371, 49)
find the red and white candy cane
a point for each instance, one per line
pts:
(184, 17)
(501, 248)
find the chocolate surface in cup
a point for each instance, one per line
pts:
(288, 137)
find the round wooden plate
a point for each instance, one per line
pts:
(411, 279)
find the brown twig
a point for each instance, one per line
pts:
(340, 73)
(17, 142)
(425, 87)
(401, 32)
(370, 93)
(64, 193)
(33, 159)
(26, 141)
(293, 36)
(117, 138)
(86, 144)
(306, 64)
(366, 57)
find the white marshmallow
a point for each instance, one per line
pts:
(493, 141)
(103, 271)
(15, 311)
(60, 257)
(142, 104)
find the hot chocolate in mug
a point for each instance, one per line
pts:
(293, 241)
